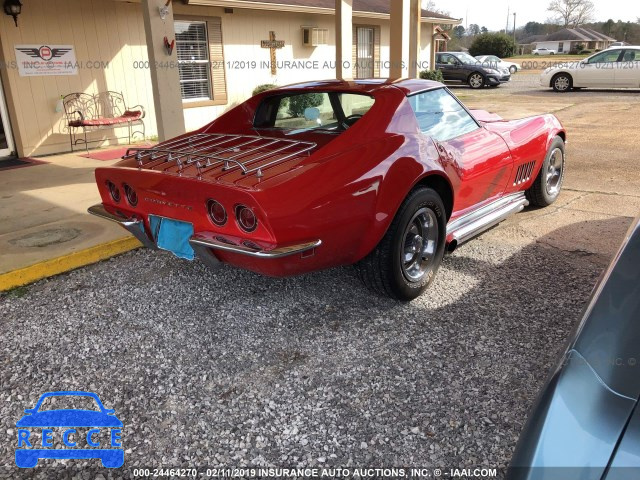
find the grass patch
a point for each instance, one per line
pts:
(17, 292)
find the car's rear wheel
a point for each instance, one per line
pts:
(513, 69)
(476, 80)
(547, 185)
(405, 261)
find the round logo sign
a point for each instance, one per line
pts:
(45, 53)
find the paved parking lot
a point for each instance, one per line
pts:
(209, 368)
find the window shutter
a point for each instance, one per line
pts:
(216, 55)
(376, 51)
(354, 52)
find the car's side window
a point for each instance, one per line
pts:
(609, 56)
(447, 59)
(440, 115)
(353, 104)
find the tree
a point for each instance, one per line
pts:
(534, 28)
(607, 27)
(473, 30)
(459, 31)
(572, 13)
(483, 29)
(497, 44)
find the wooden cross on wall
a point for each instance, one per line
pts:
(272, 44)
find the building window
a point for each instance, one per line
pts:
(192, 47)
(560, 47)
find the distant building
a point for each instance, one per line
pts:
(566, 40)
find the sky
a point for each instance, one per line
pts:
(493, 13)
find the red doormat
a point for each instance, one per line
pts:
(11, 163)
(112, 154)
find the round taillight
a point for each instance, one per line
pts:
(246, 218)
(217, 213)
(132, 196)
(114, 191)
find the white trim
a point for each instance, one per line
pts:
(252, 5)
(6, 125)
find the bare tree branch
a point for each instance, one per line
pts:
(572, 13)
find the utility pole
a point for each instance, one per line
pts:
(514, 26)
(506, 29)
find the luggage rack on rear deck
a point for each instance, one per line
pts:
(205, 151)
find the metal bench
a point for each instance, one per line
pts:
(96, 112)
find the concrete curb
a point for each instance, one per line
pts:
(55, 266)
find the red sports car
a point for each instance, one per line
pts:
(387, 175)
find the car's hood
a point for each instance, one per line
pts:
(69, 418)
(590, 400)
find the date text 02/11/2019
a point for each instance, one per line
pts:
(315, 472)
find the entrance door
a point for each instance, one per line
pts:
(6, 139)
(364, 52)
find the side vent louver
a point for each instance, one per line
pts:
(524, 173)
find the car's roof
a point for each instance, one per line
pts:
(364, 86)
(625, 47)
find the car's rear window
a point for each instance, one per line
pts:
(312, 110)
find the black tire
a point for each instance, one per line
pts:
(476, 80)
(562, 82)
(384, 270)
(542, 192)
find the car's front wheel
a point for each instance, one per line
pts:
(476, 80)
(562, 82)
(405, 261)
(513, 69)
(547, 185)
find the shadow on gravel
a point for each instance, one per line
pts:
(212, 368)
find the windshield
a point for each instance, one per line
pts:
(323, 111)
(465, 58)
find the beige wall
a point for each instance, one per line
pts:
(113, 31)
(100, 31)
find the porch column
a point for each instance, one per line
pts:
(415, 14)
(400, 19)
(432, 49)
(344, 39)
(165, 82)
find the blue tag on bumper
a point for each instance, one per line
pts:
(173, 235)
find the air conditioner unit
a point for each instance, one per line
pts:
(314, 36)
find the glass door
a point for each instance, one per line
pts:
(364, 50)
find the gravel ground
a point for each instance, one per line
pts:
(227, 368)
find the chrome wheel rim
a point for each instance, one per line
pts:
(513, 69)
(420, 242)
(562, 83)
(475, 80)
(554, 172)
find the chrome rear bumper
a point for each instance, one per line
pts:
(200, 244)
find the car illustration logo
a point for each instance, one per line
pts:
(80, 433)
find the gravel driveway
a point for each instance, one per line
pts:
(227, 368)
(209, 368)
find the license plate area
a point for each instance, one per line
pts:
(172, 235)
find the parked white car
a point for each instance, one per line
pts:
(491, 61)
(612, 68)
(543, 51)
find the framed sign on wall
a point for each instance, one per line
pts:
(40, 60)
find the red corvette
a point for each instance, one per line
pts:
(387, 175)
